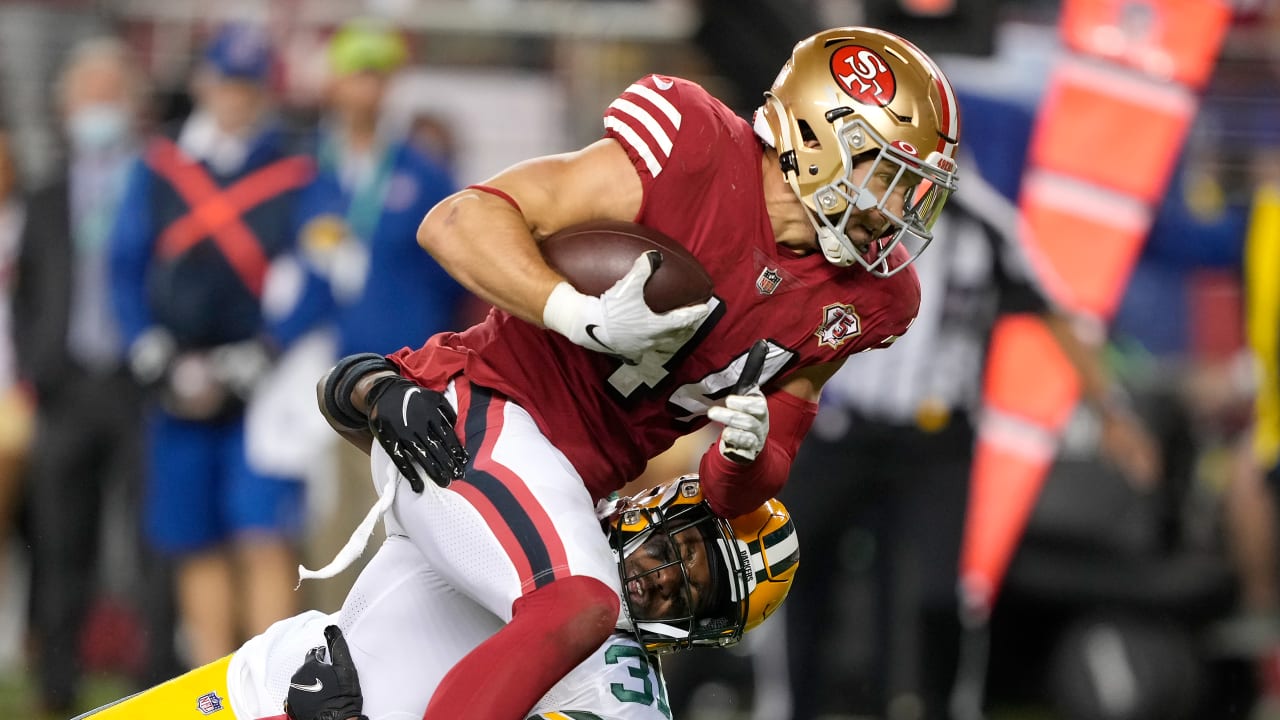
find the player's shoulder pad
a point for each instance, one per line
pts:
(658, 116)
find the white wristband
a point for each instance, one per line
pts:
(563, 310)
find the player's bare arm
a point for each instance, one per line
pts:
(361, 438)
(1125, 441)
(364, 398)
(491, 246)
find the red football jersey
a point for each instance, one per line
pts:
(700, 166)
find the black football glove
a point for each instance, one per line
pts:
(326, 689)
(415, 426)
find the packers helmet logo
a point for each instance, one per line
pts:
(839, 323)
(863, 75)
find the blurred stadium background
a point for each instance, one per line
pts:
(491, 82)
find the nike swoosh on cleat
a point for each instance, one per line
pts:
(315, 687)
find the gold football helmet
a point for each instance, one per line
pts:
(717, 578)
(853, 94)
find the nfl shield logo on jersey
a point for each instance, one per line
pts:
(768, 281)
(839, 323)
(209, 703)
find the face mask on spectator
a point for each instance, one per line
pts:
(98, 127)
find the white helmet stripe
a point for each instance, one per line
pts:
(784, 551)
(663, 629)
(736, 589)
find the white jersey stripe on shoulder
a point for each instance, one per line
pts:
(627, 107)
(658, 101)
(629, 136)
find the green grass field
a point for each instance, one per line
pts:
(17, 695)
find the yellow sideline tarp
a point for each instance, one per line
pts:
(1262, 317)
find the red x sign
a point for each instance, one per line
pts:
(216, 212)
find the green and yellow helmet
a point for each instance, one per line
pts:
(752, 561)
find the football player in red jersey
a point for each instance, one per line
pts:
(806, 220)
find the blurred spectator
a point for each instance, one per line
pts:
(15, 404)
(207, 212)
(371, 192)
(884, 475)
(433, 136)
(70, 351)
(1253, 521)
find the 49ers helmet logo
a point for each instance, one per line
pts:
(863, 75)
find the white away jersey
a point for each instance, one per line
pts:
(259, 672)
(620, 681)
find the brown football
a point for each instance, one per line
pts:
(594, 255)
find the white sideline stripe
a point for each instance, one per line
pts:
(658, 101)
(632, 138)
(1017, 435)
(1087, 200)
(1128, 86)
(627, 107)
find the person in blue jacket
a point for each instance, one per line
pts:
(208, 215)
(371, 190)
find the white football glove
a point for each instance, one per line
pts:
(619, 322)
(745, 413)
(746, 425)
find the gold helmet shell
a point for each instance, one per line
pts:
(851, 94)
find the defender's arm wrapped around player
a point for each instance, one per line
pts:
(364, 398)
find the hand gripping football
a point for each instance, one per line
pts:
(592, 256)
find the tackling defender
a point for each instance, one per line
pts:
(806, 221)
(691, 578)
